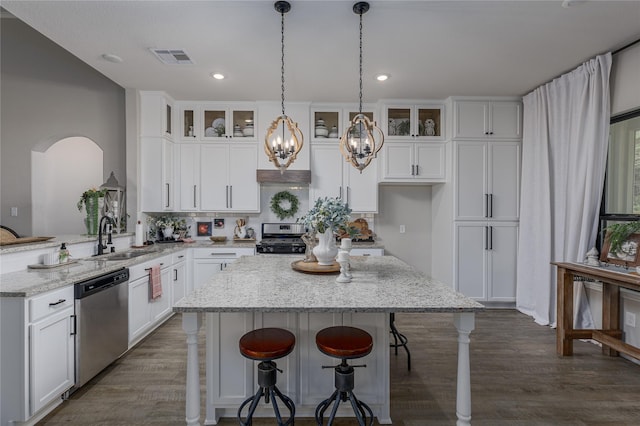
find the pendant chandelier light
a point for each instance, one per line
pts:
(362, 140)
(284, 139)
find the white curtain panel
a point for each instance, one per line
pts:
(564, 151)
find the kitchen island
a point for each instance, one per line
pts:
(264, 291)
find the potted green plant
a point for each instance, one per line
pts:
(618, 233)
(89, 200)
(326, 217)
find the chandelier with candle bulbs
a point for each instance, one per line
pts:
(363, 139)
(284, 139)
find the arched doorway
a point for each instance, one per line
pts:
(59, 176)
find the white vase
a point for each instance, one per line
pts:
(326, 249)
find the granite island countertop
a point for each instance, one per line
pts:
(267, 283)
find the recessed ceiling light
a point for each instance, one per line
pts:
(382, 77)
(112, 58)
(217, 75)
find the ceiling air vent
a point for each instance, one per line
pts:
(172, 56)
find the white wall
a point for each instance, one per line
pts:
(410, 206)
(47, 95)
(625, 80)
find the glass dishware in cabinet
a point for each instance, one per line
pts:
(415, 121)
(228, 123)
(325, 125)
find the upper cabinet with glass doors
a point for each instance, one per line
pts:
(329, 123)
(414, 122)
(217, 122)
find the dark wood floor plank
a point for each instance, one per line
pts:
(516, 380)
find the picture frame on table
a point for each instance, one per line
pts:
(628, 255)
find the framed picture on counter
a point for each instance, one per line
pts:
(204, 229)
(627, 255)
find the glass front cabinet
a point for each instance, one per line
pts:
(328, 124)
(206, 122)
(410, 122)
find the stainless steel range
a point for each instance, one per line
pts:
(281, 238)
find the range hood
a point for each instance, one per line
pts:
(289, 176)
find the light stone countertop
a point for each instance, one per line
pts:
(267, 283)
(31, 282)
(55, 242)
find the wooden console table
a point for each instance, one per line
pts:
(610, 335)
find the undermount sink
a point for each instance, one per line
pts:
(126, 255)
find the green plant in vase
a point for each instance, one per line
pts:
(90, 201)
(326, 217)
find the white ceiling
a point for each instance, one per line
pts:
(431, 49)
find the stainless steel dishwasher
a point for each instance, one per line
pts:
(102, 322)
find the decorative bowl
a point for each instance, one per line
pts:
(218, 239)
(247, 131)
(321, 132)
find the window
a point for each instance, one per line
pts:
(621, 197)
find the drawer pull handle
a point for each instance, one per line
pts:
(223, 254)
(58, 302)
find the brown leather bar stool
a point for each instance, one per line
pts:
(265, 345)
(344, 343)
(399, 339)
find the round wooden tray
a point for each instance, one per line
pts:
(314, 268)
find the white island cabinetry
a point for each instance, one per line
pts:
(264, 291)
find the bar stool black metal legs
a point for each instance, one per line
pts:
(344, 343)
(399, 339)
(265, 345)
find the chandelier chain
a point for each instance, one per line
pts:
(360, 107)
(282, 57)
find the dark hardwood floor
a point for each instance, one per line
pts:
(516, 379)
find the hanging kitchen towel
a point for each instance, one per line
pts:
(155, 282)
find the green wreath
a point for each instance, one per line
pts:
(276, 206)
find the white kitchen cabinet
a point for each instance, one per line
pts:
(228, 176)
(156, 114)
(423, 121)
(209, 261)
(332, 176)
(485, 260)
(485, 119)
(179, 276)
(487, 183)
(219, 177)
(37, 356)
(144, 313)
(220, 122)
(414, 162)
(52, 358)
(156, 174)
(216, 122)
(189, 173)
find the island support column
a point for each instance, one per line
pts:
(191, 324)
(465, 323)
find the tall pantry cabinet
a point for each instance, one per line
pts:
(482, 204)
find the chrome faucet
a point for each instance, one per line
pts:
(110, 224)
